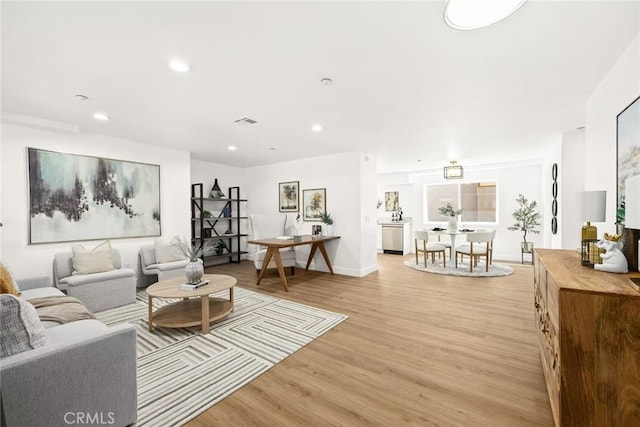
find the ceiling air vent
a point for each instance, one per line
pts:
(246, 121)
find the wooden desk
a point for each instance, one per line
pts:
(273, 251)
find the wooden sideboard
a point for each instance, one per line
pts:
(588, 325)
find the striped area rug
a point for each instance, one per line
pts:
(182, 372)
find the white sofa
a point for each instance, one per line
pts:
(97, 291)
(85, 368)
(163, 270)
(264, 226)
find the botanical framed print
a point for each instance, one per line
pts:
(74, 197)
(391, 201)
(315, 203)
(289, 196)
(628, 146)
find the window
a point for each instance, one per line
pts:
(477, 199)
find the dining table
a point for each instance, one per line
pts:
(452, 235)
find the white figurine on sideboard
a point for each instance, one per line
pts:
(613, 261)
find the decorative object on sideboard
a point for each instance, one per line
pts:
(327, 220)
(590, 252)
(452, 213)
(594, 208)
(289, 196)
(554, 201)
(316, 230)
(613, 260)
(453, 171)
(216, 192)
(527, 220)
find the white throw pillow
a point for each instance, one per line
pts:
(96, 260)
(21, 328)
(168, 252)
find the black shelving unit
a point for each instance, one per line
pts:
(204, 230)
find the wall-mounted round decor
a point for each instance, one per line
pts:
(554, 201)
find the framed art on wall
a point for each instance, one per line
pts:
(315, 203)
(289, 196)
(628, 146)
(391, 201)
(74, 197)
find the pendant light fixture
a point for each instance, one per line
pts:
(453, 171)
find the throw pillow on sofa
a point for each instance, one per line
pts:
(20, 329)
(168, 252)
(96, 260)
(7, 284)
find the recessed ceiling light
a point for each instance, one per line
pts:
(316, 128)
(179, 66)
(326, 81)
(473, 14)
(80, 97)
(232, 148)
(101, 116)
(272, 148)
(419, 161)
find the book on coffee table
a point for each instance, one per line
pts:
(193, 286)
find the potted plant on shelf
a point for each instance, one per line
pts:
(453, 214)
(219, 247)
(326, 219)
(527, 220)
(195, 268)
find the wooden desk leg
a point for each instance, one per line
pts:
(205, 313)
(323, 251)
(149, 300)
(314, 247)
(278, 260)
(265, 263)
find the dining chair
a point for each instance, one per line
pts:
(428, 248)
(480, 245)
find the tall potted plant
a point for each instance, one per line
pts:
(527, 220)
(452, 214)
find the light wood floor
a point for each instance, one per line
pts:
(417, 349)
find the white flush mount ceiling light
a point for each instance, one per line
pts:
(473, 14)
(101, 116)
(179, 66)
(316, 128)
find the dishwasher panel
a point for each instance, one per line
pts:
(392, 239)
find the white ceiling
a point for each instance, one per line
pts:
(406, 86)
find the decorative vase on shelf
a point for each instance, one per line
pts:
(215, 192)
(327, 230)
(194, 271)
(453, 224)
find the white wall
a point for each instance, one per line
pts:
(571, 175)
(349, 179)
(615, 92)
(530, 178)
(30, 260)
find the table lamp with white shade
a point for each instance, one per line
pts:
(594, 204)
